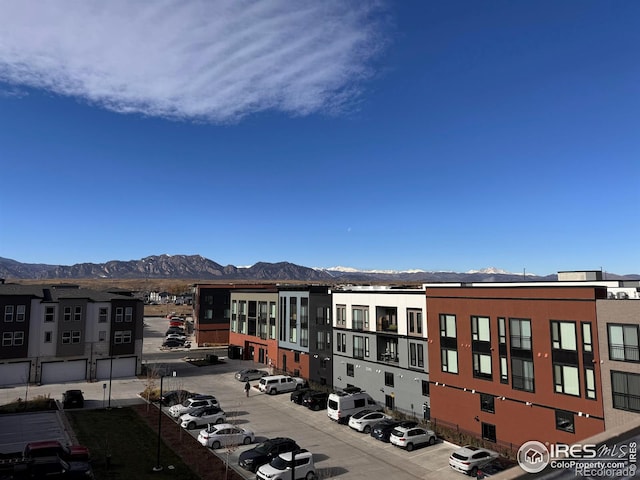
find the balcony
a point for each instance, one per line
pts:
(388, 357)
(625, 353)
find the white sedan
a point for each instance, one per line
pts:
(225, 434)
(202, 416)
(364, 420)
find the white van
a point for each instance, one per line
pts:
(342, 405)
(280, 383)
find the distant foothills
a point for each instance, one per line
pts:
(196, 267)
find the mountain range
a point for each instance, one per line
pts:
(196, 267)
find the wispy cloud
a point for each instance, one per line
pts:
(205, 60)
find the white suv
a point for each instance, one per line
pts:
(280, 383)
(469, 459)
(192, 404)
(281, 466)
(409, 438)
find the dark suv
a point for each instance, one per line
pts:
(72, 398)
(265, 452)
(316, 401)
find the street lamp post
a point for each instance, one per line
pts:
(158, 467)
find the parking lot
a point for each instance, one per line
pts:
(339, 452)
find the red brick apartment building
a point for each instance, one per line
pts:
(212, 311)
(515, 363)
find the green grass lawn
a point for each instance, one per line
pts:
(129, 441)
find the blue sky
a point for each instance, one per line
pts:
(448, 135)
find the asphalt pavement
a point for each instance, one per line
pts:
(339, 452)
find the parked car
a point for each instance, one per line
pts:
(223, 434)
(247, 374)
(469, 459)
(365, 419)
(72, 399)
(382, 430)
(409, 438)
(202, 416)
(494, 467)
(315, 400)
(280, 467)
(173, 397)
(191, 404)
(280, 383)
(265, 452)
(178, 330)
(173, 343)
(341, 405)
(53, 448)
(297, 396)
(53, 467)
(176, 336)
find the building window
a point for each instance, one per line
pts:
(119, 314)
(587, 342)
(349, 369)
(388, 379)
(590, 383)
(448, 326)
(482, 366)
(488, 432)
(504, 375)
(320, 344)
(387, 319)
(102, 335)
(425, 388)
(522, 374)
(128, 314)
(296, 357)
(625, 388)
(366, 346)
(8, 313)
(341, 342)
(293, 319)
(487, 403)
(66, 315)
(304, 322)
(66, 338)
(103, 314)
(18, 338)
(48, 336)
(122, 336)
(75, 336)
(272, 320)
(449, 360)
(520, 333)
(563, 336)
(414, 319)
(77, 313)
(566, 380)
(358, 347)
(341, 315)
(480, 329)
(20, 313)
(49, 314)
(623, 342)
(416, 355)
(502, 331)
(360, 318)
(7, 339)
(564, 421)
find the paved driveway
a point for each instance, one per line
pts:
(339, 452)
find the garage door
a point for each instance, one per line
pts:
(122, 367)
(14, 373)
(58, 372)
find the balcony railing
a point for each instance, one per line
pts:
(523, 383)
(388, 358)
(628, 353)
(523, 343)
